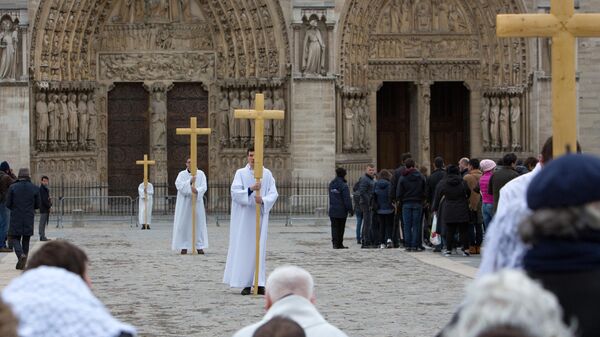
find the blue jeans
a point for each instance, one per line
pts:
(487, 210)
(359, 220)
(411, 218)
(4, 219)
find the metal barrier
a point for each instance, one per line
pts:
(163, 205)
(109, 207)
(301, 206)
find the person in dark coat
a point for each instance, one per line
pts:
(411, 192)
(563, 236)
(45, 205)
(455, 192)
(23, 199)
(340, 205)
(357, 212)
(6, 179)
(385, 210)
(366, 185)
(397, 203)
(501, 176)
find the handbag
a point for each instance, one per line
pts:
(435, 237)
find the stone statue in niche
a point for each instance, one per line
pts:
(73, 123)
(9, 39)
(494, 116)
(53, 122)
(268, 122)
(485, 123)
(313, 60)
(63, 121)
(93, 120)
(442, 16)
(234, 126)
(158, 115)
(252, 106)
(504, 119)
(366, 123)
(158, 9)
(405, 17)
(394, 17)
(356, 140)
(278, 124)
(244, 123)
(423, 16)
(83, 121)
(223, 108)
(348, 136)
(515, 123)
(454, 19)
(41, 112)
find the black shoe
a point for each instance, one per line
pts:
(143, 227)
(200, 251)
(261, 290)
(246, 291)
(183, 251)
(45, 239)
(5, 250)
(147, 226)
(22, 262)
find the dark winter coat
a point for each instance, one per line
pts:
(366, 186)
(498, 180)
(23, 199)
(45, 203)
(456, 194)
(411, 186)
(5, 181)
(395, 178)
(340, 203)
(436, 176)
(382, 197)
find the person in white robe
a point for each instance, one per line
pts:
(145, 203)
(240, 266)
(182, 224)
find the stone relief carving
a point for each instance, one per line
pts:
(503, 127)
(515, 123)
(313, 59)
(234, 125)
(158, 115)
(244, 123)
(73, 122)
(156, 36)
(93, 121)
(53, 123)
(494, 122)
(63, 121)
(41, 111)
(504, 122)
(137, 11)
(268, 138)
(485, 124)
(9, 40)
(223, 111)
(406, 16)
(83, 121)
(356, 123)
(279, 124)
(348, 131)
(157, 66)
(398, 47)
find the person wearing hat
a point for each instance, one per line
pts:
(502, 246)
(340, 205)
(6, 179)
(23, 199)
(563, 234)
(487, 199)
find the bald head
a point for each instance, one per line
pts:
(289, 280)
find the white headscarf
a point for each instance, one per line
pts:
(52, 302)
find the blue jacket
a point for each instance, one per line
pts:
(23, 199)
(382, 197)
(340, 203)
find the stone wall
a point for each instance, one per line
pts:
(14, 123)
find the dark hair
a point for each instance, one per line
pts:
(547, 154)
(250, 149)
(504, 331)
(474, 162)
(405, 156)
(509, 159)
(45, 177)
(340, 172)
(452, 169)
(385, 174)
(409, 163)
(280, 326)
(62, 254)
(438, 162)
(8, 321)
(530, 163)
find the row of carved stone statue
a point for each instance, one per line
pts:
(238, 133)
(357, 123)
(501, 123)
(65, 121)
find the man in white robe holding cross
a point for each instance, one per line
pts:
(239, 269)
(182, 224)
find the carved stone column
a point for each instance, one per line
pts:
(475, 94)
(423, 122)
(158, 130)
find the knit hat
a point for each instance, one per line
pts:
(23, 173)
(4, 166)
(487, 165)
(571, 180)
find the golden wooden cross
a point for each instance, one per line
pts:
(193, 132)
(146, 163)
(259, 114)
(563, 26)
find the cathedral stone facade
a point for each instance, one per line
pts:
(89, 86)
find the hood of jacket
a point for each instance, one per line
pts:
(454, 180)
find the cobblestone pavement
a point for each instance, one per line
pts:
(369, 292)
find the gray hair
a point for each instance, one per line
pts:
(509, 299)
(288, 280)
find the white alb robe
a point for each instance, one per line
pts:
(239, 269)
(182, 224)
(145, 204)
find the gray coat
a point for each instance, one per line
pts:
(23, 199)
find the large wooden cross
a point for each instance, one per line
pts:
(146, 163)
(563, 26)
(193, 132)
(259, 114)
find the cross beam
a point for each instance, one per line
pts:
(564, 26)
(146, 163)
